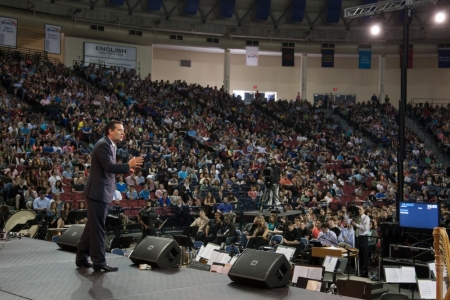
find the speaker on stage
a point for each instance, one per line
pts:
(69, 240)
(261, 269)
(157, 252)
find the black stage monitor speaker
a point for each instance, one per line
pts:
(157, 252)
(69, 240)
(261, 269)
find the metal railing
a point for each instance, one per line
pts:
(431, 101)
(20, 52)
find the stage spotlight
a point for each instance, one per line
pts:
(440, 17)
(375, 29)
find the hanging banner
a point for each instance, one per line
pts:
(327, 58)
(410, 58)
(52, 39)
(444, 58)
(8, 32)
(110, 55)
(365, 59)
(251, 55)
(287, 57)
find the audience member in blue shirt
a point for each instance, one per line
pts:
(41, 204)
(145, 193)
(347, 236)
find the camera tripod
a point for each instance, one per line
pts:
(270, 197)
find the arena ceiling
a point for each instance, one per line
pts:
(243, 21)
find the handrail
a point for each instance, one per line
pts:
(27, 52)
(431, 101)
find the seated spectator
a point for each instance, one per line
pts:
(316, 229)
(291, 238)
(225, 209)
(145, 193)
(372, 236)
(79, 185)
(175, 197)
(118, 211)
(212, 228)
(54, 216)
(333, 227)
(201, 222)
(18, 193)
(273, 223)
(41, 204)
(304, 231)
(65, 212)
(57, 188)
(121, 185)
(164, 201)
(132, 194)
(248, 230)
(259, 237)
(326, 236)
(58, 201)
(208, 203)
(347, 236)
(159, 192)
(226, 235)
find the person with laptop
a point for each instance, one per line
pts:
(327, 237)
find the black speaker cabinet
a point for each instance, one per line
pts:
(261, 269)
(157, 252)
(69, 240)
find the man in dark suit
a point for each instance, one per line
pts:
(99, 192)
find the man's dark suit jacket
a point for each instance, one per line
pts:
(101, 183)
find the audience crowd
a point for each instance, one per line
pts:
(206, 148)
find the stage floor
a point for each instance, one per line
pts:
(34, 269)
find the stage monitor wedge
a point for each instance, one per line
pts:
(261, 269)
(157, 252)
(69, 240)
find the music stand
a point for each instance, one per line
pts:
(184, 242)
(76, 215)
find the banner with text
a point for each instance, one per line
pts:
(444, 58)
(287, 57)
(52, 39)
(251, 54)
(365, 59)
(327, 58)
(110, 55)
(8, 32)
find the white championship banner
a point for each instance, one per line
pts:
(8, 32)
(53, 39)
(110, 55)
(251, 55)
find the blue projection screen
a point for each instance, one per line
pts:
(419, 215)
